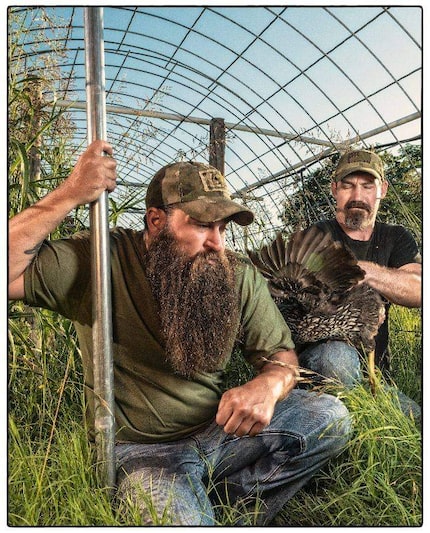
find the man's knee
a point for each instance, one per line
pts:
(334, 360)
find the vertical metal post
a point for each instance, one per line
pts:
(100, 255)
(217, 144)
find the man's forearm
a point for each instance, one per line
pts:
(282, 369)
(28, 229)
(401, 286)
(92, 174)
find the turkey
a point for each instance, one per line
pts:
(315, 284)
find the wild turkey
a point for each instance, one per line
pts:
(314, 282)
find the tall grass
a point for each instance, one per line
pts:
(376, 481)
(406, 346)
(52, 480)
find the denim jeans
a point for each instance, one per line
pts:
(183, 480)
(338, 360)
(333, 359)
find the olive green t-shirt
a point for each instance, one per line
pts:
(152, 403)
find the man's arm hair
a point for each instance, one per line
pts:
(401, 286)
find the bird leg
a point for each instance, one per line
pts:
(371, 371)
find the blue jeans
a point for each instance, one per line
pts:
(183, 480)
(333, 359)
(339, 361)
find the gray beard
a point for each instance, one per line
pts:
(357, 219)
(197, 303)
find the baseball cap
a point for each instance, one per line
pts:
(199, 190)
(359, 161)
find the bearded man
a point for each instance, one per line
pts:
(388, 255)
(180, 301)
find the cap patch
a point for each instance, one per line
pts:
(359, 161)
(359, 157)
(212, 180)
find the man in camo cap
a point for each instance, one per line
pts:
(180, 301)
(387, 253)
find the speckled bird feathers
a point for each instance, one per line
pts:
(315, 283)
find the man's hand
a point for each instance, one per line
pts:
(93, 173)
(248, 409)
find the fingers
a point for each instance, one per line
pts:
(99, 146)
(242, 416)
(99, 155)
(109, 171)
(249, 423)
(94, 172)
(244, 427)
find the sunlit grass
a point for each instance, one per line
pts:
(376, 481)
(53, 482)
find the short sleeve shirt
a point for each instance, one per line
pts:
(152, 403)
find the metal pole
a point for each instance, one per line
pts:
(100, 256)
(240, 127)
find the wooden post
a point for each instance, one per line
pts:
(217, 144)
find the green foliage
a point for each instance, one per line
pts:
(377, 480)
(238, 371)
(403, 203)
(43, 360)
(312, 200)
(406, 349)
(55, 486)
(38, 132)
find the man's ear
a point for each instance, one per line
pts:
(156, 220)
(333, 186)
(384, 189)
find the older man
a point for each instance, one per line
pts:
(388, 254)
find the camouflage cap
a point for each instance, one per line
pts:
(199, 190)
(359, 161)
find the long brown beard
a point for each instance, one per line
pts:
(198, 304)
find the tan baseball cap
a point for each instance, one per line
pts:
(359, 161)
(199, 190)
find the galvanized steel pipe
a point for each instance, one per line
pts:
(100, 255)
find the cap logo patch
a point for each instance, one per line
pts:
(212, 181)
(359, 157)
